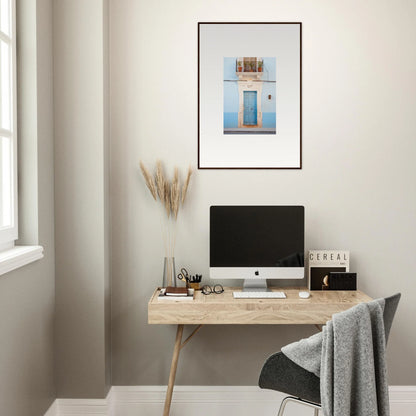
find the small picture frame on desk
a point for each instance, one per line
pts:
(342, 281)
(323, 262)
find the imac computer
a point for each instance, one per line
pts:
(256, 243)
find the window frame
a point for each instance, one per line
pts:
(9, 235)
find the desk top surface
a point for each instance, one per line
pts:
(224, 309)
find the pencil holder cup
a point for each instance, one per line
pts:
(195, 286)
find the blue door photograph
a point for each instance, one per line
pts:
(250, 108)
(249, 90)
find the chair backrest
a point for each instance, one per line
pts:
(390, 308)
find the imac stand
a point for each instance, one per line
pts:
(255, 285)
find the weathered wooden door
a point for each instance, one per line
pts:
(250, 108)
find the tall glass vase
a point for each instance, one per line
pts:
(169, 275)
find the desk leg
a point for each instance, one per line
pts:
(173, 368)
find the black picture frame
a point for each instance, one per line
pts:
(204, 165)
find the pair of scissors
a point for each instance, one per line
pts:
(184, 275)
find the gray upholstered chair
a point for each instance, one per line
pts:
(282, 374)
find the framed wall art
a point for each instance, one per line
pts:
(249, 95)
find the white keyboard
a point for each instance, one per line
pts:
(259, 295)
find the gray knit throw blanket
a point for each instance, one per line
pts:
(349, 357)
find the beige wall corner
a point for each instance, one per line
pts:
(81, 198)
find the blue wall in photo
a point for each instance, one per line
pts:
(269, 69)
(229, 69)
(269, 120)
(230, 120)
(230, 97)
(269, 106)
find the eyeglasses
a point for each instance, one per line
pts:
(207, 290)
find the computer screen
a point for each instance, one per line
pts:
(257, 242)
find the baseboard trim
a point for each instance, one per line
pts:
(215, 400)
(191, 394)
(84, 407)
(53, 410)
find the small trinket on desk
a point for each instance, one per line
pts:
(194, 281)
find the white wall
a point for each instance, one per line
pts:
(357, 181)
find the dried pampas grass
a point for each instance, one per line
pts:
(175, 194)
(160, 181)
(166, 198)
(186, 184)
(171, 195)
(149, 180)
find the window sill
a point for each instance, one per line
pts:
(19, 256)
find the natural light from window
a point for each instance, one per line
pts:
(8, 226)
(11, 256)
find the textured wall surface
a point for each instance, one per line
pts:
(357, 183)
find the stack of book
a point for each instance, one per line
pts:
(176, 293)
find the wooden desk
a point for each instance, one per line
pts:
(224, 309)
